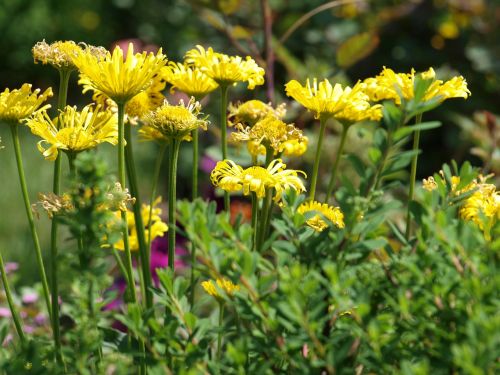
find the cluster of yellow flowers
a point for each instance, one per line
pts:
(224, 285)
(156, 226)
(482, 207)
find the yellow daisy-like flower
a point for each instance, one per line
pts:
(156, 226)
(137, 107)
(169, 122)
(224, 69)
(231, 177)
(60, 54)
(20, 103)
(225, 285)
(345, 104)
(73, 130)
(250, 112)
(118, 77)
(317, 222)
(268, 131)
(191, 81)
(389, 85)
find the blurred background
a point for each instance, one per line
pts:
(340, 40)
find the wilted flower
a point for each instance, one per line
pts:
(73, 130)
(118, 77)
(60, 54)
(55, 204)
(250, 112)
(20, 103)
(169, 122)
(224, 69)
(231, 177)
(190, 80)
(429, 184)
(324, 211)
(345, 104)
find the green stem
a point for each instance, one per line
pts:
(10, 301)
(122, 179)
(120, 264)
(139, 224)
(29, 214)
(195, 135)
(413, 176)
(255, 211)
(154, 187)
(223, 119)
(172, 195)
(219, 335)
(333, 177)
(314, 177)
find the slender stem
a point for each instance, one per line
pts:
(264, 217)
(122, 179)
(29, 214)
(267, 23)
(194, 183)
(413, 175)
(172, 195)
(154, 187)
(219, 335)
(139, 224)
(314, 177)
(333, 177)
(64, 75)
(255, 211)
(223, 120)
(10, 301)
(120, 264)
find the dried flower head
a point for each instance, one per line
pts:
(55, 204)
(59, 54)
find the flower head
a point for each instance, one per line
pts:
(324, 211)
(120, 77)
(137, 107)
(173, 122)
(269, 131)
(250, 112)
(20, 103)
(231, 177)
(60, 54)
(156, 225)
(347, 104)
(224, 69)
(389, 85)
(73, 130)
(429, 184)
(220, 285)
(190, 80)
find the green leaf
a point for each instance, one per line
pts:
(407, 130)
(356, 48)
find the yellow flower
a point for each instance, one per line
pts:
(389, 85)
(224, 69)
(268, 131)
(20, 103)
(317, 222)
(173, 122)
(189, 80)
(225, 285)
(250, 112)
(156, 226)
(117, 77)
(60, 54)
(295, 147)
(137, 107)
(72, 130)
(347, 104)
(231, 177)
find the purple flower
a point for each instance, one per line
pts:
(11, 267)
(5, 312)
(30, 297)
